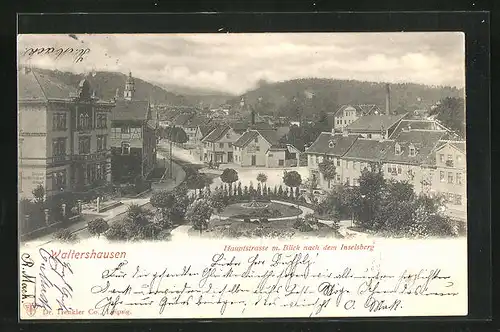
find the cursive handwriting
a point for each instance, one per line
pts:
(237, 283)
(78, 54)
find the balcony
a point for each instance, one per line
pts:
(59, 160)
(101, 155)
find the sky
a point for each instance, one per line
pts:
(234, 63)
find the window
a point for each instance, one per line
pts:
(397, 149)
(59, 121)
(221, 145)
(227, 135)
(101, 121)
(347, 181)
(450, 177)
(338, 177)
(369, 136)
(84, 121)
(59, 147)
(331, 144)
(84, 144)
(400, 169)
(126, 130)
(257, 148)
(391, 169)
(338, 162)
(256, 140)
(317, 160)
(355, 182)
(101, 142)
(270, 155)
(412, 151)
(441, 158)
(459, 178)
(353, 165)
(229, 145)
(281, 162)
(458, 200)
(441, 176)
(345, 121)
(125, 148)
(347, 164)
(59, 180)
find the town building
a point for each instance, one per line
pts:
(63, 135)
(191, 123)
(218, 145)
(262, 148)
(348, 114)
(375, 126)
(134, 125)
(422, 152)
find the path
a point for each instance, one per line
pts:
(80, 228)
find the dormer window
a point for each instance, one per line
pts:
(412, 152)
(125, 148)
(331, 144)
(397, 149)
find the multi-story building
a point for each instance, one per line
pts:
(218, 145)
(432, 159)
(63, 135)
(262, 148)
(347, 114)
(375, 126)
(133, 139)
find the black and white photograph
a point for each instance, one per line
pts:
(255, 135)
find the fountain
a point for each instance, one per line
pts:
(254, 205)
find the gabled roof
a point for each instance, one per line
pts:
(368, 150)
(216, 133)
(33, 85)
(374, 123)
(130, 110)
(246, 138)
(361, 110)
(340, 146)
(459, 145)
(207, 128)
(182, 119)
(407, 124)
(424, 141)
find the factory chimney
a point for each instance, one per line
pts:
(387, 99)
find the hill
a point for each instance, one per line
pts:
(106, 84)
(310, 96)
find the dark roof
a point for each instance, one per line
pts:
(272, 137)
(460, 145)
(169, 115)
(424, 141)
(341, 144)
(205, 129)
(416, 124)
(216, 133)
(361, 110)
(262, 126)
(374, 123)
(182, 119)
(196, 121)
(34, 85)
(368, 150)
(246, 138)
(130, 110)
(240, 127)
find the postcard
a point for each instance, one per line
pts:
(242, 175)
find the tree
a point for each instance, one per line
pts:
(65, 235)
(97, 226)
(197, 181)
(451, 113)
(229, 176)
(218, 201)
(39, 194)
(311, 184)
(119, 231)
(198, 213)
(292, 179)
(262, 178)
(328, 169)
(176, 135)
(164, 201)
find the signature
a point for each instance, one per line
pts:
(77, 53)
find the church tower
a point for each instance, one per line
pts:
(128, 93)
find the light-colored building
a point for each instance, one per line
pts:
(63, 135)
(348, 114)
(262, 148)
(218, 145)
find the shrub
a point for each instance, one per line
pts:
(97, 226)
(65, 235)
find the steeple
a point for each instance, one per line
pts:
(128, 92)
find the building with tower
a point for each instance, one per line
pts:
(134, 125)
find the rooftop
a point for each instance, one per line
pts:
(130, 110)
(374, 123)
(34, 85)
(332, 144)
(217, 133)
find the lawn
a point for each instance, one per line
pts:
(271, 210)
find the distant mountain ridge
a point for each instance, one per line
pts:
(308, 97)
(106, 84)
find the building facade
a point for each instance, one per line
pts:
(63, 136)
(348, 114)
(218, 145)
(133, 138)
